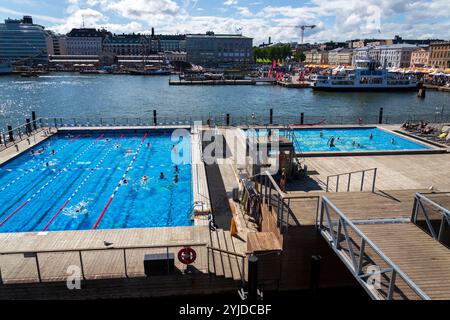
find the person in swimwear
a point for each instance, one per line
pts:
(161, 176)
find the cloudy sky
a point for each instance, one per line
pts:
(335, 19)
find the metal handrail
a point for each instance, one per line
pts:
(350, 174)
(235, 254)
(35, 254)
(355, 265)
(445, 215)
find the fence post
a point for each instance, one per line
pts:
(380, 118)
(33, 118)
(271, 116)
(314, 278)
(10, 132)
(252, 278)
(302, 118)
(228, 120)
(155, 119)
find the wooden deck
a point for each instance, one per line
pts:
(102, 252)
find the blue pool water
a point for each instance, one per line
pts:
(350, 139)
(74, 190)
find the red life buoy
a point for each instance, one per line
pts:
(187, 255)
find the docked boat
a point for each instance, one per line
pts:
(366, 77)
(158, 72)
(5, 67)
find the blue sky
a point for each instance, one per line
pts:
(335, 19)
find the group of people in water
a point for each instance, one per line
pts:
(332, 141)
(162, 176)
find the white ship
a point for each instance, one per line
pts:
(5, 67)
(366, 77)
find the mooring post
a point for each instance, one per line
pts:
(228, 119)
(33, 117)
(271, 117)
(314, 279)
(10, 132)
(253, 278)
(380, 118)
(302, 118)
(155, 119)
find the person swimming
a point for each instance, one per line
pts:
(52, 152)
(371, 136)
(130, 151)
(353, 143)
(321, 133)
(161, 176)
(124, 181)
(176, 178)
(392, 141)
(177, 169)
(148, 145)
(332, 145)
(107, 139)
(144, 180)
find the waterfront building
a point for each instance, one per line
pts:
(175, 56)
(440, 55)
(85, 41)
(420, 42)
(420, 57)
(23, 42)
(56, 44)
(127, 44)
(340, 57)
(176, 43)
(219, 50)
(396, 55)
(316, 56)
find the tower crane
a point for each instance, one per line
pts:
(303, 28)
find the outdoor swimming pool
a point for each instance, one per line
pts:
(349, 140)
(97, 182)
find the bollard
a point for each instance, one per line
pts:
(380, 118)
(10, 132)
(314, 279)
(253, 278)
(271, 117)
(33, 117)
(155, 119)
(228, 119)
(302, 118)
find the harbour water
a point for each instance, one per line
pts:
(74, 95)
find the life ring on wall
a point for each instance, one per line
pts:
(187, 255)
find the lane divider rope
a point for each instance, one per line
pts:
(79, 187)
(50, 181)
(39, 164)
(130, 166)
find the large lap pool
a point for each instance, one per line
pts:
(349, 140)
(98, 181)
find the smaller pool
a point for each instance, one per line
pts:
(349, 140)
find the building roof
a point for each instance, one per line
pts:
(88, 33)
(397, 46)
(213, 35)
(170, 37)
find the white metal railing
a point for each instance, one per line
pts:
(421, 202)
(335, 227)
(363, 174)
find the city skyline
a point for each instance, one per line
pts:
(253, 18)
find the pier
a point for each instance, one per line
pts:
(212, 82)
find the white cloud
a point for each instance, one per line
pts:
(335, 19)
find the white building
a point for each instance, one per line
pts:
(85, 42)
(389, 56)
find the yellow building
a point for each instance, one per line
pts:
(420, 58)
(440, 55)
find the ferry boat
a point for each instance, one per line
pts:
(5, 67)
(366, 77)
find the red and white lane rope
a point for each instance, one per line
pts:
(39, 164)
(80, 186)
(50, 181)
(130, 166)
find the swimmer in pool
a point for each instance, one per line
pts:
(353, 143)
(148, 145)
(117, 146)
(107, 139)
(177, 169)
(53, 152)
(332, 142)
(161, 176)
(144, 180)
(176, 178)
(371, 136)
(392, 141)
(321, 133)
(130, 151)
(124, 181)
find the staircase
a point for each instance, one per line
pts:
(223, 259)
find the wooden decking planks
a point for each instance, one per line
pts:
(424, 260)
(97, 264)
(202, 202)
